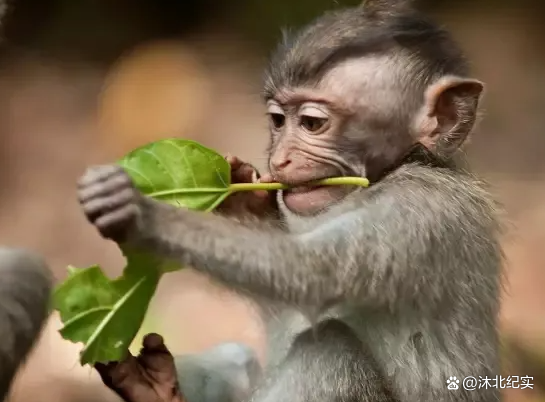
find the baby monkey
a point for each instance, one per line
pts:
(367, 294)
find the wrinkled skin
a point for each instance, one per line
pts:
(148, 377)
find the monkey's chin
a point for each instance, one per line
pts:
(312, 200)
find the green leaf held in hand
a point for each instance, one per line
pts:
(105, 314)
(187, 174)
(180, 172)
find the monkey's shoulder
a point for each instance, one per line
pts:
(434, 178)
(459, 189)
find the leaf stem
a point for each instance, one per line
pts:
(187, 191)
(333, 181)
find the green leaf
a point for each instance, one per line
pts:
(106, 315)
(180, 172)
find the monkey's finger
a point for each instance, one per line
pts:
(97, 174)
(156, 357)
(266, 178)
(126, 380)
(103, 371)
(115, 375)
(99, 206)
(139, 391)
(114, 184)
(262, 194)
(234, 161)
(242, 172)
(246, 173)
(115, 225)
(154, 342)
(255, 176)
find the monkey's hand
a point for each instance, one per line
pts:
(110, 201)
(148, 377)
(259, 203)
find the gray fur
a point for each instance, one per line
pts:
(411, 264)
(302, 58)
(380, 297)
(420, 246)
(25, 286)
(224, 373)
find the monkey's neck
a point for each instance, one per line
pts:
(418, 153)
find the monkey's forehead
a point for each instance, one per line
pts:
(306, 55)
(303, 58)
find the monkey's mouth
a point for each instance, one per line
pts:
(303, 189)
(310, 199)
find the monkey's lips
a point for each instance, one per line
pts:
(303, 189)
(306, 200)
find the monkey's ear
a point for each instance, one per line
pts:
(449, 114)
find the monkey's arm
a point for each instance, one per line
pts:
(225, 373)
(25, 286)
(410, 232)
(418, 228)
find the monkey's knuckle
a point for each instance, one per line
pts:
(135, 211)
(107, 220)
(127, 196)
(94, 174)
(86, 178)
(102, 224)
(121, 378)
(126, 179)
(129, 213)
(89, 210)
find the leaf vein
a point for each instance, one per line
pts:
(164, 165)
(153, 188)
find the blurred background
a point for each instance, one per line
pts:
(83, 82)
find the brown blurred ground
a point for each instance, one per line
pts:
(57, 118)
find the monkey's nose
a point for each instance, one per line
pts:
(280, 164)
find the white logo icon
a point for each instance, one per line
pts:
(453, 383)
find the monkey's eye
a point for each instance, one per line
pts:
(312, 124)
(313, 117)
(276, 115)
(277, 120)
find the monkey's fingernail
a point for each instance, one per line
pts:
(153, 338)
(255, 177)
(153, 341)
(231, 159)
(266, 178)
(234, 162)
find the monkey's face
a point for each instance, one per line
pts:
(338, 127)
(304, 150)
(359, 119)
